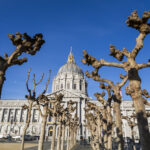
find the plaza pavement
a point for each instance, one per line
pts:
(34, 146)
(15, 146)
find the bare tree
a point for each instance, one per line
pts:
(31, 100)
(70, 110)
(106, 115)
(24, 44)
(116, 88)
(132, 68)
(42, 102)
(64, 120)
(92, 126)
(132, 124)
(55, 110)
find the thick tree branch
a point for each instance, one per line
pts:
(145, 93)
(18, 61)
(139, 45)
(96, 77)
(144, 65)
(47, 83)
(141, 24)
(100, 98)
(118, 54)
(27, 86)
(24, 44)
(89, 60)
(123, 82)
(35, 84)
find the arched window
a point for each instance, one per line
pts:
(80, 85)
(61, 86)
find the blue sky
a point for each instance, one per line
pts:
(82, 24)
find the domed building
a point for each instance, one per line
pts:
(69, 81)
(70, 77)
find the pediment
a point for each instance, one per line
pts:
(67, 94)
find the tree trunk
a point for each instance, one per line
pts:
(27, 123)
(135, 92)
(2, 79)
(100, 135)
(59, 137)
(63, 137)
(105, 129)
(54, 134)
(132, 133)
(74, 138)
(109, 128)
(42, 134)
(68, 139)
(118, 122)
(71, 138)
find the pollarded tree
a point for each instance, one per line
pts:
(94, 123)
(56, 104)
(42, 102)
(31, 102)
(24, 44)
(132, 124)
(132, 68)
(107, 115)
(116, 104)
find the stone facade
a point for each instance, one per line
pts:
(69, 81)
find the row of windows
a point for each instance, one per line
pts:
(9, 115)
(74, 86)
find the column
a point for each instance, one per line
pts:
(1, 114)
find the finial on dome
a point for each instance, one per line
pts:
(70, 57)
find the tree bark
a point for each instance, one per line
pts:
(134, 89)
(2, 79)
(109, 128)
(118, 122)
(68, 139)
(59, 137)
(63, 137)
(54, 134)
(105, 129)
(42, 134)
(132, 133)
(27, 123)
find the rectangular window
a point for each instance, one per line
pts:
(4, 118)
(80, 85)
(74, 86)
(68, 86)
(17, 115)
(61, 86)
(10, 117)
(57, 87)
(35, 115)
(23, 115)
(0, 114)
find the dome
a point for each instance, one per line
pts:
(71, 66)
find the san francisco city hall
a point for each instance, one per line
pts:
(71, 82)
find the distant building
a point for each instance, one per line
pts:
(69, 81)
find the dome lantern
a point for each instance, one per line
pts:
(70, 66)
(71, 57)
